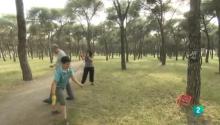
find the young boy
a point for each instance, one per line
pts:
(59, 54)
(61, 79)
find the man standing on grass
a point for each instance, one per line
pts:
(59, 54)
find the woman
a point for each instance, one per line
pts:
(89, 67)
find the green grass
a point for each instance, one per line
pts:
(11, 75)
(145, 94)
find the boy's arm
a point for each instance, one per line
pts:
(76, 81)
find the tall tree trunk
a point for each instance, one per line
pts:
(184, 55)
(88, 37)
(2, 52)
(163, 46)
(158, 51)
(194, 64)
(212, 49)
(176, 44)
(22, 52)
(38, 53)
(140, 49)
(42, 54)
(41, 47)
(78, 49)
(126, 46)
(111, 51)
(218, 16)
(106, 50)
(208, 39)
(154, 53)
(9, 51)
(122, 17)
(70, 48)
(134, 53)
(14, 53)
(176, 52)
(185, 50)
(112, 55)
(135, 50)
(93, 44)
(50, 50)
(31, 51)
(31, 47)
(123, 62)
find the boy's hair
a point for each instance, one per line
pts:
(65, 59)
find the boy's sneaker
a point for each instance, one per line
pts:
(48, 101)
(69, 98)
(55, 112)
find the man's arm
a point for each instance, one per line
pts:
(76, 81)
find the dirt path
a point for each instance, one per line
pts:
(24, 106)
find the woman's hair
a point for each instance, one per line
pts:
(90, 53)
(65, 59)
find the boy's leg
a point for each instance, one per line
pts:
(91, 75)
(85, 73)
(54, 107)
(60, 96)
(69, 92)
(62, 103)
(55, 110)
(64, 111)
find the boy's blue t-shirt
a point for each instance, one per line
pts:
(62, 76)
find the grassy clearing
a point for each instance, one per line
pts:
(10, 71)
(145, 94)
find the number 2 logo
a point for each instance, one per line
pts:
(198, 110)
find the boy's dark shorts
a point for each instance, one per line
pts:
(60, 96)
